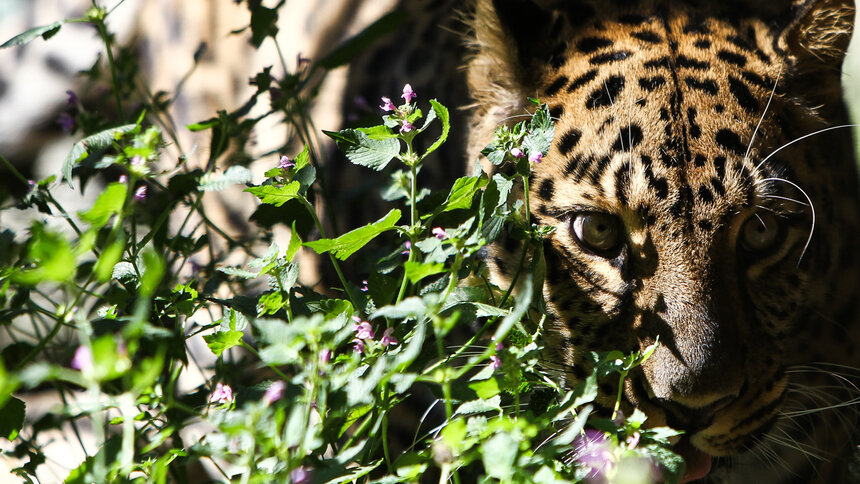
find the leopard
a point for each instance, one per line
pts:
(703, 193)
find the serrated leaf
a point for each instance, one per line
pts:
(123, 272)
(492, 404)
(348, 243)
(11, 418)
(99, 141)
(541, 132)
(378, 132)
(216, 182)
(362, 150)
(441, 113)
(237, 272)
(409, 308)
(415, 271)
(277, 196)
(109, 203)
(463, 192)
(221, 341)
(45, 31)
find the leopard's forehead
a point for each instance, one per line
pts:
(655, 115)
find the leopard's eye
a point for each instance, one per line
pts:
(761, 232)
(598, 232)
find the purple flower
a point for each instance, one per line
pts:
(300, 475)
(140, 193)
(592, 451)
(274, 392)
(66, 122)
(495, 362)
(406, 126)
(363, 330)
(136, 160)
(633, 440)
(408, 93)
(363, 287)
(361, 103)
(73, 98)
(31, 185)
(536, 157)
(387, 339)
(387, 105)
(325, 356)
(500, 346)
(358, 345)
(407, 248)
(83, 359)
(222, 394)
(439, 233)
(286, 163)
(517, 153)
(123, 179)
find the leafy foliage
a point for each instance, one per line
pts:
(303, 384)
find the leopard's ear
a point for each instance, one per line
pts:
(815, 40)
(819, 32)
(512, 40)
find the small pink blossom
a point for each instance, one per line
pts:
(72, 97)
(633, 440)
(136, 160)
(592, 451)
(407, 247)
(83, 359)
(500, 346)
(406, 127)
(363, 287)
(408, 93)
(31, 185)
(123, 179)
(140, 193)
(222, 394)
(536, 157)
(358, 345)
(495, 362)
(363, 330)
(325, 356)
(274, 392)
(517, 153)
(286, 163)
(387, 105)
(387, 339)
(300, 475)
(439, 233)
(361, 103)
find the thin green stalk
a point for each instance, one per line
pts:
(334, 262)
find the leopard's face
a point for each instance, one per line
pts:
(684, 209)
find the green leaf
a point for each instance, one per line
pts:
(362, 150)
(295, 243)
(52, 255)
(153, 270)
(11, 418)
(109, 203)
(216, 182)
(108, 259)
(498, 455)
(45, 31)
(348, 243)
(99, 141)
(277, 196)
(441, 113)
(378, 132)
(223, 340)
(463, 192)
(416, 271)
(491, 404)
(541, 132)
(486, 388)
(345, 52)
(409, 308)
(671, 464)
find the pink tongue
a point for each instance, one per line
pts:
(698, 462)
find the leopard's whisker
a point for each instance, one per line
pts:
(811, 209)
(763, 114)
(796, 140)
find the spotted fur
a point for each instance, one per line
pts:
(686, 121)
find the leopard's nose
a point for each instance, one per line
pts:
(694, 419)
